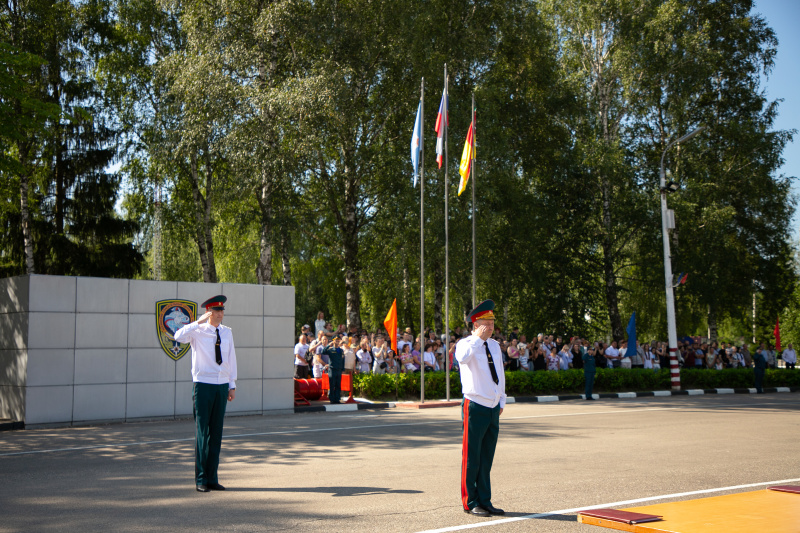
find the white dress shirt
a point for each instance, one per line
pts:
(202, 338)
(476, 377)
(789, 356)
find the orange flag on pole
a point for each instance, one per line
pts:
(390, 322)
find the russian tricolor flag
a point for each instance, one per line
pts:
(441, 124)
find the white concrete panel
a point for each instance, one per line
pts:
(248, 363)
(279, 301)
(13, 367)
(198, 292)
(183, 398)
(243, 299)
(101, 330)
(279, 332)
(183, 368)
(248, 396)
(99, 402)
(248, 331)
(14, 331)
(278, 363)
(14, 294)
(51, 330)
(51, 367)
(150, 400)
(142, 332)
(12, 402)
(52, 293)
(149, 365)
(143, 294)
(102, 295)
(47, 405)
(278, 394)
(100, 365)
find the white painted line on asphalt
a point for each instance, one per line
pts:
(315, 430)
(605, 505)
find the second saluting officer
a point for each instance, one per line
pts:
(483, 383)
(214, 377)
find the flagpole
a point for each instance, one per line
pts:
(474, 177)
(446, 237)
(422, 236)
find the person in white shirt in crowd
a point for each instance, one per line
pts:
(214, 377)
(364, 357)
(300, 363)
(624, 360)
(379, 353)
(789, 356)
(429, 358)
(612, 355)
(524, 356)
(319, 323)
(553, 360)
(483, 384)
(736, 358)
(565, 358)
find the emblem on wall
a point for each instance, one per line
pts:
(172, 315)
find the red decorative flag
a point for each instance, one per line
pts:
(390, 323)
(683, 279)
(777, 333)
(442, 121)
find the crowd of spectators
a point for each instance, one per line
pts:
(366, 352)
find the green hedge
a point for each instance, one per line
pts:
(383, 386)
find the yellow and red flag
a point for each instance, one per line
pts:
(467, 156)
(390, 323)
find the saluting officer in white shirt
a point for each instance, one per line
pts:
(214, 376)
(483, 385)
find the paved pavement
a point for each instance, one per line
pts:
(397, 470)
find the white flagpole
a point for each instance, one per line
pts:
(446, 238)
(422, 235)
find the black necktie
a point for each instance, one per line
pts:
(218, 350)
(491, 364)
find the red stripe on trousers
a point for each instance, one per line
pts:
(464, 450)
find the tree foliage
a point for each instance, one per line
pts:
(266, 141)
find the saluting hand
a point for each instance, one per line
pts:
(204, 318)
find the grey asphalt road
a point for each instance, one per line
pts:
(396, 470)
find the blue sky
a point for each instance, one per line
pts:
(783, 82)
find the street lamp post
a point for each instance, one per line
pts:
(668, 223)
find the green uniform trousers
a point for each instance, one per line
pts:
(481, 427)
(209, 413)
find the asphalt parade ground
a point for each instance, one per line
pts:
(398, 470)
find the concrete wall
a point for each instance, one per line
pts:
(76, 350)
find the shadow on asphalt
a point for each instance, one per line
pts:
(334, 491)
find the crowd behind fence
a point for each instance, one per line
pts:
(371, 352)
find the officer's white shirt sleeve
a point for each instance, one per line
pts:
(202, 338)
(476, 378)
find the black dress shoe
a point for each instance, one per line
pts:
(203, 488)
(478, 511)
(215, 486)
(493, 510)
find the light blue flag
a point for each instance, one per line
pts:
(415, 142)
(631, 329)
